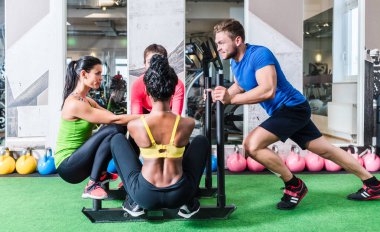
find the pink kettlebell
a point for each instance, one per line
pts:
(236, 162)
(352, 150)
(254, 166)
(314, 162)
(331, 166)
(294, 161)
(371, 160)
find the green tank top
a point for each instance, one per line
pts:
(71, 135)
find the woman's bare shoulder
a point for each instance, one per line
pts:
(134, 124)
(188, 121)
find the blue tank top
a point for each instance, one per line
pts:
(255, 58)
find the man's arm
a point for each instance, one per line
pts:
(266, 78)
(219, 91)
(235, 89)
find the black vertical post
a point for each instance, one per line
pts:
(207, 83)
(378, 125)
(220, 145)
(96, 204)
(369, 99)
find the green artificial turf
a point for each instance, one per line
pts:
(49, 204)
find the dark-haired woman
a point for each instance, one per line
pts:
(170, 176)
(79, 154)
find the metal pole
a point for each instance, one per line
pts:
(377, 116)
(220, 145)
(96, 204)
(207, 83)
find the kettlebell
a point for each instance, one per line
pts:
(353, 151)
(214, 163)
(254, 166)
(7, 162)
(371, 160)
(294, 161)
(46, 164)
(111, 167)
(236, 162)
(331, 166)
(26, 163)
(314, 162)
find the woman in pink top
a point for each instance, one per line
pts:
(140, 102)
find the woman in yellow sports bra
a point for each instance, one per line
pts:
(170, 175)
(79, 154)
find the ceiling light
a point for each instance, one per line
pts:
(106, 3)
(326, 25)
(318, 57)
(307, 33)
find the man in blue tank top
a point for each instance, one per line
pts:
(259, 79)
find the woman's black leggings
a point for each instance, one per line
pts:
(92, 158)
(149, 196)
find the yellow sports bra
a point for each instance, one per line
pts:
(162, 150)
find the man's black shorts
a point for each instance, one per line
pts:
(293, 122)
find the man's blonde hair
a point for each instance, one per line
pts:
(232, 26)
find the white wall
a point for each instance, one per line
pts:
(314, 7)
(201, 16)
(372, 27)
(211, 10)
(35, 61)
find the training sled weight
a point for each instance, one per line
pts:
(98, 214)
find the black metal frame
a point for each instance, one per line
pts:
(220, 211)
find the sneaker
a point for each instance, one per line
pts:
(108, 177)
(365, 193)
(133, 209)
(188, 210)
(93, 190)
(292, 196)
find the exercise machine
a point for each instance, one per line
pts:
(98, 214)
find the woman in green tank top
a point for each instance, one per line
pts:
(79, 153)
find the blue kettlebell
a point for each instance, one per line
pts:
(214, 163)
(46, 164)
(111, 167)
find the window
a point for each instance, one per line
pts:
(352, 19)
(121, 66)
(100, 30)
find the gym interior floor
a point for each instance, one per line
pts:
(49, 204)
